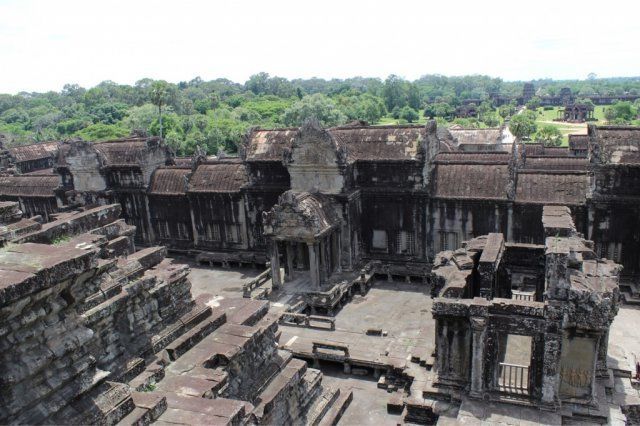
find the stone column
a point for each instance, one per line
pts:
(590, 220)
(193, 226)
(509, 236)
(275, 265)
(290, 253)
(322, 264)
(550, 368)
(338, 247)
(300, 255)
(313, 265)
(601, 355)
(479, 331)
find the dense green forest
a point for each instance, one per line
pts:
(214, 114)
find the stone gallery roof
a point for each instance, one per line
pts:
(222, 176)
(579, 142)
(361, 143)
(552, 187)
(126, 152)
(477, 136)
(555, 163)
(183, 161)
(29, 185)
(169, 181)
(35, 151)
(471, 181)
(538, 149)
(618, 144)
(269, 145)
(468, 157)
(380, 142)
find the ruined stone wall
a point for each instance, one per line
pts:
(171, 221)
(219, 221)
(388, 175)
(392, 226)
(135, 212)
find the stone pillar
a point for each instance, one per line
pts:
(313, 265)
(509, 236)
(590, 219)
(601, 356)
(275, 265)
(193, 226)
(300, 255)
(289, 253)
(322, 264)
(479, 331)
(550, 368)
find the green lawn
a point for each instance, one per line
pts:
(546, 117)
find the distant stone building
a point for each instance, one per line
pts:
(577, 113)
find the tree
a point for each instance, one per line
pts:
(319, 106)
(394, 92)
(159, 95)
(409, 114)
(101, 131)
(622, 112)
(533, 103)
(550, 135)
(522, 126)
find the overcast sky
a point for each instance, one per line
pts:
(45, 44)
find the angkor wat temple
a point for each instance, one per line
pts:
(396, 194)
(513, 242)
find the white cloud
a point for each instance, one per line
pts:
(45, 44)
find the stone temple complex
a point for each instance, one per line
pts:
(350, 275)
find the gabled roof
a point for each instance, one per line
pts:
(579, 142)
(555, 163)
(361, 143)
(618, 144)
(169, 181)
(471, 181)
(221, 176)
(269, 145)
(552, 187)
(29, 185)
(380, 142)
(301, 216)
(35, 151)
(477, 136)
(126, 152)
(469, 157)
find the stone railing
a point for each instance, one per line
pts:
(308, 321)
(529, 296)
(514, 378)
(255, 283)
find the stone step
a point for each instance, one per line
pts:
(200, 387)
(127, 370)
(630, 299)
(189, 339)
(289, 376)
(107, 403)
(149, 406)
(152, 374)
(321, 405)
(196, 315)
(312, 388)
(337, 409)
(192, 410)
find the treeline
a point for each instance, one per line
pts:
(214, 114)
